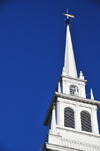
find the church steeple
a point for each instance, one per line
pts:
(72, 123)
(69, 68)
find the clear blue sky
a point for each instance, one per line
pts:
(32, 41)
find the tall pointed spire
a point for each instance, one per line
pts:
(69, 60)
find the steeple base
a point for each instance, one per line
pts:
(76, 142)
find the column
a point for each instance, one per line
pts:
(63, 86)
(59, 88)
(67, 87)
(58, 112)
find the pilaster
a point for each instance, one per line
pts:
(82, 91)
(77, 118)
(64, 85)
(94, 121)
(58, 112)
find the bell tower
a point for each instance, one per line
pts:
(71, 118)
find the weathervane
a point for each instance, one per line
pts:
(68, 15)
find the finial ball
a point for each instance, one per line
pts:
(67, 11)
(53, 106)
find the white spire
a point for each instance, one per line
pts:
(69, 61)
(53, 122)
(92, 97)
(59, 89)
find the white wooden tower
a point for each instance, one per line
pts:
(72, 122)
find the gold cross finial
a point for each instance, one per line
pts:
(68, 15)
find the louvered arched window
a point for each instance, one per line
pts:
(69, 117)
(86, 121)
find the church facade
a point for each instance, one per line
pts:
(71, 118)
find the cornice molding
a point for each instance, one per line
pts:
(76, 98)
(70, 97)
(72, 78)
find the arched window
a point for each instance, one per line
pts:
(73, 90)
(86, 121)
(69, 117)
